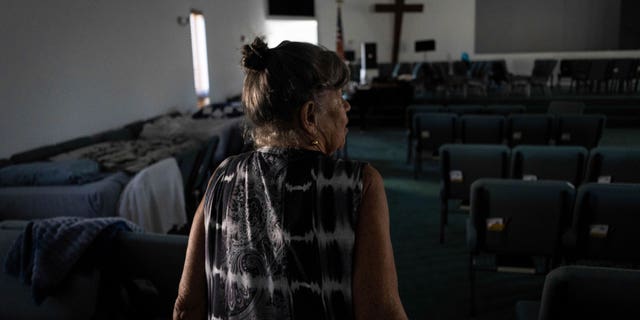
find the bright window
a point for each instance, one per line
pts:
(200, 60)
(292, 30)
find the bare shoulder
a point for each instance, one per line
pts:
(371, 178)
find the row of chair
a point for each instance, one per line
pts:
(555, 107)
(533, 227)
(461, 165)
(601, 75)
(620, 75)
(432, 130)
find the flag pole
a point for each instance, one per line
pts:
(339, 33)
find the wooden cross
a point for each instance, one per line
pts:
(398, 8)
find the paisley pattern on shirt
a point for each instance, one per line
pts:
(280, 229)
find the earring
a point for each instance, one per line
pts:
(315, 142)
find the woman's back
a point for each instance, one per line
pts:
(280, 229)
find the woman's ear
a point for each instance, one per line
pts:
(308, 118)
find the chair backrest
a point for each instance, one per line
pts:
(505, 109)
(516, 217)
(566, 107)
(622, 68)
(581, 130)
(613, 165)
(401, 68)
(580, 69)
(529, 129)
(385, 70)
(566, 68)
(461, 165)
(566, 163)
(578, 292)
(499, 72)
(482, 129)
(543, 68)
(413, 109)
(461, 109)
(434, 129)
(441, 70)
(599, 69)
(606, 222)
(460, 68)
(480, 69)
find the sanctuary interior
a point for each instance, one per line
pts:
(125, 108)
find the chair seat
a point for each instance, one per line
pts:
(527, 310)
(511, 264)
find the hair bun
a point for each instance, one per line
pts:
(255, 56)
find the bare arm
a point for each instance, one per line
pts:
(192, 295)
(375, 283)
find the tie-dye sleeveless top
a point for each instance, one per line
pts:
(280, 230)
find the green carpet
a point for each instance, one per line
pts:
(433, 278)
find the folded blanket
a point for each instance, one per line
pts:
(48, 249)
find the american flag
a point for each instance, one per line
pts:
(339, 37)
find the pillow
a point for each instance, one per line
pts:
(76, 171)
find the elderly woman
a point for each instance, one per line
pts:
(286, 231)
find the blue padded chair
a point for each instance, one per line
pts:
(580, 130)
(613, 165)
(605, 225)
(505, 109)
(516, 226)
(580, 292)
(432, 130)
(566, 107)
(536, 129)
(461, 109)
(565, 163)
(481, 129)
(410, 112)
(461, 165)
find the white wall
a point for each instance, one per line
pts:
(450, 22)
(69, 68)
(74, 67)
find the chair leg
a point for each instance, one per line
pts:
(443, 217)
(417, 162)
(472, 287)
(409, 149)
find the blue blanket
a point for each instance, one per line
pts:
(47, 250)
(51, 173)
